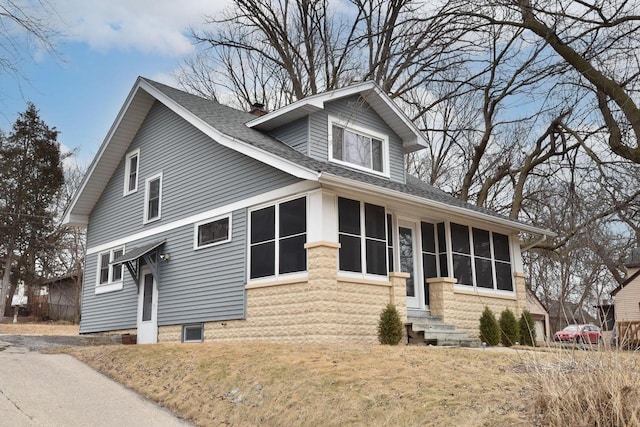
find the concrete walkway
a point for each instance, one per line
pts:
(57, 390)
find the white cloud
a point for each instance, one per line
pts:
(148, 26)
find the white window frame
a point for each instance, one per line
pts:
(198, 224)
(146, 220)
(127, 171)
(110, 285)
(364, 132)
(277, 275)
(363, 243)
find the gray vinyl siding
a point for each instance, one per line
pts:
(205, 284)
(109, 311)
(195, 285)
(295, 135)
(354, 110)
(198, 175)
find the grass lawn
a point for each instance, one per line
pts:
(38, 329)
(250, 384)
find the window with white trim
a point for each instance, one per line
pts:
(132, 162)
(108, 274)
(277, 238)
(212, 232)
(358, 147)
(356, 239)
(153, 198)
(481, 258)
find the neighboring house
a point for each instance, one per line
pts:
(626, 301)
(208, 223)
(58, 297)
(540, 317)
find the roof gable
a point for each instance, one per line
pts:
(199, 112)
(229, 127)
(380, 102)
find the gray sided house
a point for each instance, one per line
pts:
(207, 223)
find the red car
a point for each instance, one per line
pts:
(579, 334)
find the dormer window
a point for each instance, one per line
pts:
(358, 148)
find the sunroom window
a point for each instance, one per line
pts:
(278, 236)
(358, 147)
(362, 249)
(481, 258)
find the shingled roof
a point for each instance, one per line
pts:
(228, 126)
(232, 122)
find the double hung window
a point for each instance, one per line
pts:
(277, 239)
(153, 198)
(362, 233)
(132, 162)
(109, 273)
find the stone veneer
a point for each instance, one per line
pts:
(463, 308)
(322, 307)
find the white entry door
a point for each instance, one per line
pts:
(147, 309)
(409, 261)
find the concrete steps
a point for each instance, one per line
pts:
(426, 330)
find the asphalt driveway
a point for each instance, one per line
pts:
(57, 390)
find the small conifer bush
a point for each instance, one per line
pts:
(509, 328)
(390, 326)
(489, 329)
(527, 329)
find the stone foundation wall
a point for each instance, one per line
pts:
(463, 308)
(323, 308)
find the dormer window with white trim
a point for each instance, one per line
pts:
(132, 162)
(358, 148)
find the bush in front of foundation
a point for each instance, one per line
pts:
(390, 326)
(509, 328)
(489, 329)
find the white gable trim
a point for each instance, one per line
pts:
(106, 160)
(297, 189)
(411, 135)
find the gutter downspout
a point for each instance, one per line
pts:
(535, 243)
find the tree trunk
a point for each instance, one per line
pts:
(6, 283)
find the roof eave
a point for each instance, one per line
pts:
(71, 215)
(326, 178)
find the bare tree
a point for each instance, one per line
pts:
(514, 122)
(599, 42)
(25, 26)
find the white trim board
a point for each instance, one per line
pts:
(300, 187)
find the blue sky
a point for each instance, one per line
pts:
(105, 45)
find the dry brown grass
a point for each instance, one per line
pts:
(587, 389)
(38, 329)
(321, 385)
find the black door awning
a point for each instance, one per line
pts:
(131, 259)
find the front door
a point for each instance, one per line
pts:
(408, 261)
(147, 309)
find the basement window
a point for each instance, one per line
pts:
(193, 333)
